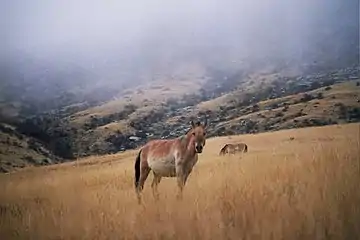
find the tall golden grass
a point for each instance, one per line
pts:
(306, 188)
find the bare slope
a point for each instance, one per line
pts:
(19, 151)
(304, 188)
(336, 103)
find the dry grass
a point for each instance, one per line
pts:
(306, 188)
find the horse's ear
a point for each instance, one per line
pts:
(192, 123)
(205, 123)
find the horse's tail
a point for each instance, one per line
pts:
(137, 169)
(246, 148)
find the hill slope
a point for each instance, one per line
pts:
(146, 71)
(18, 150)
(311, 181)
(237, 103)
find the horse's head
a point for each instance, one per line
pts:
(199, 133)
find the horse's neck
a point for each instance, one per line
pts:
(186, 145)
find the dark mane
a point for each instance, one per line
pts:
(225, 146)
(187, 131)
(181, 137)
(222, 151)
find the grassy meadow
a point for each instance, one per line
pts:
(305, 188)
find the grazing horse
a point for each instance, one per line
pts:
(233, 148)
(169, 158)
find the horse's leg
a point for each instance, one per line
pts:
(181, 184)
(186, 176)
(181, 179)
(144, 173)
(154, 186)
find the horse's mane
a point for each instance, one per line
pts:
(198, 124)
(181, 137)
(223, 148)
(186, 133)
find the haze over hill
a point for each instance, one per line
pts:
(79, 78)
(59, 46)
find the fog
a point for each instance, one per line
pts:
(119, 36)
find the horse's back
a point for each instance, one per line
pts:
(242, 147)
(160, 145)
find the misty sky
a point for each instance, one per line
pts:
(287, 28)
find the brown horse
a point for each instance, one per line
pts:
(169, 158)
(233, 148)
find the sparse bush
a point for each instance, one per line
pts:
(279, 114)
(229, 132)
(328, 88)
(354, 113)
(229, 108)
(255, 108)
(319, 96)
(31, 160)
(318, 122)
(343, 111)
(16, 144)
(74, 130)
(220, 131)
(129, 108)
(306, 98)
(306, 123)
(274, 106)
(339, 104)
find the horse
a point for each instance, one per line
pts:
(233, 148)
(169, 158)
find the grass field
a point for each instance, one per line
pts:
(306, 188)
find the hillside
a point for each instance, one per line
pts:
(78, 83)
(238, 103)
(19, 151)
(292, 184)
